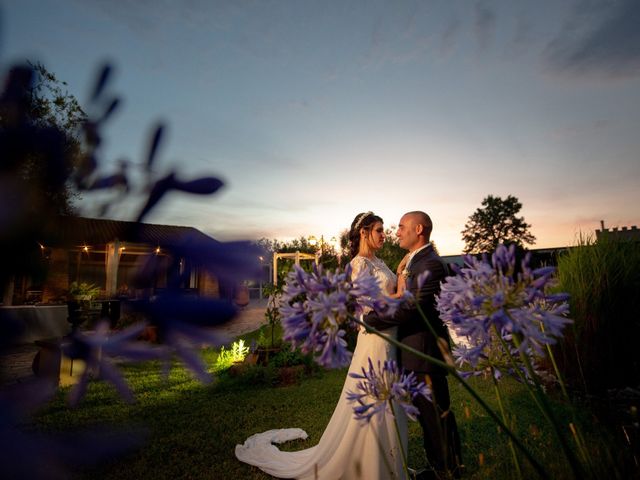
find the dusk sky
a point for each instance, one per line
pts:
(314, 111)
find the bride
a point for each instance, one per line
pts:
(348, 448)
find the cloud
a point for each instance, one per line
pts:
(139, 16)
(581, 130)
(485, 24)
(449, 35)
(522, 36)
(601, 40)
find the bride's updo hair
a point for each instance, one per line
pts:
(364, 220)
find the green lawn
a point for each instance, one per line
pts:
(193, 428)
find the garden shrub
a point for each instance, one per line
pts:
(289, 358)
(599, 351)
(235, 354)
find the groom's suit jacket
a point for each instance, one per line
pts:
(412, 330)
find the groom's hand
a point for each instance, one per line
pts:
(366, 319)
(372, 320)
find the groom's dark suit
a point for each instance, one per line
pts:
(441, 441)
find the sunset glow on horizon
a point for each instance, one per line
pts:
(314, 112)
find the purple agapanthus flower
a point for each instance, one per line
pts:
(98, 347)
(380, 386)
(485, 300)
(317, 309)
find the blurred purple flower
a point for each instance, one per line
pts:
(422, 277)
(379, 387)
(31, 454)
(229, 262)
(200, 186)
(486, 295)
(317, 308)
(96, 348)
(183, 324)
(25, 211)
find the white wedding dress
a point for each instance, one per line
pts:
(349, 448)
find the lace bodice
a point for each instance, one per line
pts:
(376, 267)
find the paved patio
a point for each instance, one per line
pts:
(250, 318)
(15, 364)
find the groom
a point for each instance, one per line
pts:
(440, 432)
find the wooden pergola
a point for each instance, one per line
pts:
(296, 256)
(108, 251)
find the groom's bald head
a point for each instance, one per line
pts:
(420, 218)
(414, 230)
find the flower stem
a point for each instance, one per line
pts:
(516, 369)
(426, 320)
(516, 462)
(383, 453)
(574, 430)
(548, 413)
(534, 463)
(397, 429)
(555, 368)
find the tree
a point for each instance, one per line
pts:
(52, 105)
(39, 142)
(391, 252)
(48, 107)
(496, 223)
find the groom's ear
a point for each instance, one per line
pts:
(419, 228)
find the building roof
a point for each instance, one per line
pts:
(78, 231)
(624, 233)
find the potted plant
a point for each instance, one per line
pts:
(81, 291)
(269, 347)
(79, 302)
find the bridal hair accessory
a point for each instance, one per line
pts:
(360, 219)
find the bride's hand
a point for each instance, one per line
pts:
(401, 287)
(402, 265)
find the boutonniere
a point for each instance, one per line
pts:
(405, 272)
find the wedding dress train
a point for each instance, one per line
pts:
(349, 448)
